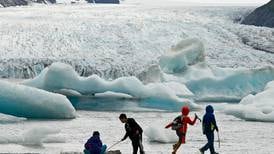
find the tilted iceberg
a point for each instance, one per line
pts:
(259, 107)
(179, 57)
(60, 77)
(29, 102)
(209, 83)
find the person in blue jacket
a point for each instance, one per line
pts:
(209, 125)
(94, 145)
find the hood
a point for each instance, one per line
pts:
(209, 109)
(185, 110)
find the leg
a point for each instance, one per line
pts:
(177, 146)
(208, 144)
(211, 145)
(141, 147)
(135, 145)
(103, 149)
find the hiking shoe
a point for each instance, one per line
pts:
(201, 151)
(174, 146)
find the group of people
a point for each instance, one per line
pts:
(179, 124)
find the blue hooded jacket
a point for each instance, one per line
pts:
(209, 122)
(94, 145)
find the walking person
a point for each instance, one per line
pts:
(209, 125)
(180, 125)
(134, 132)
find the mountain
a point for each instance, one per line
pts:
(262, 16)
(7, 3)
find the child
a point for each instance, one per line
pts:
(181, 127)
(209, 125)
(94, 145)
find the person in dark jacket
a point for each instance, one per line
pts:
(134, 132)
(209, 125)
(94, 145)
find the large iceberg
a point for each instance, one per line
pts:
(62, 77)
(259, 107)
(29, 102)
(210, 83)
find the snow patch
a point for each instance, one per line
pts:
(161, 135)
(33, 137)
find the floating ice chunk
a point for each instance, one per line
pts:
(29, 102)
(185, 53)
(259, 107)
(62, 76)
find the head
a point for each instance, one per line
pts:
(185, 110)
(209, 109)
(96, 133)
(123, 118)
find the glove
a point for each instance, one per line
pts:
(217, 129)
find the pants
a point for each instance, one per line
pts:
(210, 143)
(181, 136)
(137, 143)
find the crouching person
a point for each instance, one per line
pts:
(94, 145)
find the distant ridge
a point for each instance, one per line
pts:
(262, 16)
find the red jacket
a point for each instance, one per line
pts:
(185, 120)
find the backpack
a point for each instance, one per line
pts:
(177, 123)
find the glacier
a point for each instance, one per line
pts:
(29, 102)
(34, 38)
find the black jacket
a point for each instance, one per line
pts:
(133, 130)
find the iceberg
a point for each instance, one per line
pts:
(23, 101)
(186, 52)
(259, 107)
(210, 83)
(60, 76)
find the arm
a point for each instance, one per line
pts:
(190, 121)
(215, 124)
(169, 125)
(125, 136)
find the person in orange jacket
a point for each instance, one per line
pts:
(180, 125)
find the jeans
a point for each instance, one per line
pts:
(210, 143)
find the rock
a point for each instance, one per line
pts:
(262, 16)
(104, 1)
(6, 3)
(114, 152)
